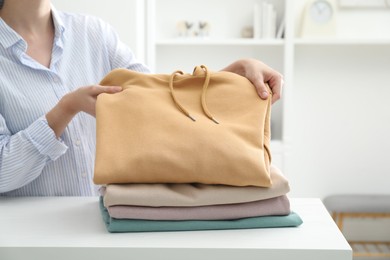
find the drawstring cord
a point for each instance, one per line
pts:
(174, 97)
(203, 97)
(205, 86)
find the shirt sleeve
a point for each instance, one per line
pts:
(121, 56)
(24, 154)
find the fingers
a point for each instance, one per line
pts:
(259, 74)
(112, 89)
(276, 84)
(261, 89)
(97, 89)
(84, 98)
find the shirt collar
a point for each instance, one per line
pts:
(58, 23)
(8, 37)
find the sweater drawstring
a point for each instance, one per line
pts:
(203, 97)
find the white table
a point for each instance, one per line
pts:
(71, 228)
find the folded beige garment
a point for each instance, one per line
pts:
(188, 195)
(144, 133)
(270, 207)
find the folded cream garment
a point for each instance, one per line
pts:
(269, 207)
(189, 195)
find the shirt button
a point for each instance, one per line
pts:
(78, 142)
(56, 80)
(84, 174)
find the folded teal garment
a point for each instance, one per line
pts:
(114, 225)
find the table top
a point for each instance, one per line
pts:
(31, 225)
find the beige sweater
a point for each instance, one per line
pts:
(145, 133)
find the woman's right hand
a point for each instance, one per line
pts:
(82, 99)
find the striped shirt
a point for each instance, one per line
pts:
(33, 162)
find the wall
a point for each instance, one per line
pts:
(341, 137)
(341, 125)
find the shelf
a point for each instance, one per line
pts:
(268, 42)
(223, 42)
(327, 41)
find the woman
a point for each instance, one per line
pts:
(47, 128)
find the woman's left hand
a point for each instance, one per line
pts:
(259, 74)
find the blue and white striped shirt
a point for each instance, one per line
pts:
(33, 162)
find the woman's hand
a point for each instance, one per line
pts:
(82, 99)
(259, 73)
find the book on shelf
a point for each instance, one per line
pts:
(257, 21)
(264, 20)
(280, 31)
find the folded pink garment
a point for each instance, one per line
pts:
(274, 206)
(190, 195)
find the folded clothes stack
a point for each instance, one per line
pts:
(168, 164)
(179, 207)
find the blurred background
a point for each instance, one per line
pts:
(331, 129)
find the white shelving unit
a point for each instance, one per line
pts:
(342, 42)
(225, 23)
(220, 42)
